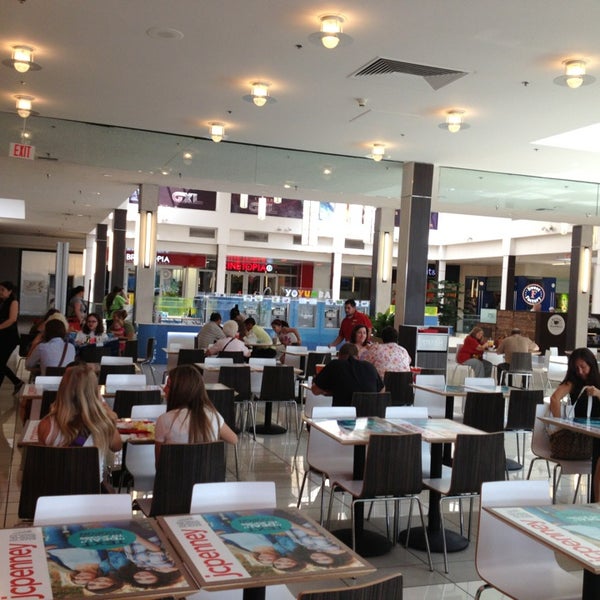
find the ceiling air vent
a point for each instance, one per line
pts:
(202, 232)
(436, 77)
(354, 244)
(253, 236)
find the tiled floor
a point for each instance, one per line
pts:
(272, 458)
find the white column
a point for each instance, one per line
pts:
(336, 275)
(145, 277)
(221, 268)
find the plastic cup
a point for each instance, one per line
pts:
(319, 368)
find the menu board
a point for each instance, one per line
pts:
(116, 559)
(258, 547)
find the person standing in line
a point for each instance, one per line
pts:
(471, 353)
(116, 300)
(211, 331)
(351, 320)
(9, 333)
(76, 308)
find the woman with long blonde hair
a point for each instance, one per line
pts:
(78, 416)
(191, 417)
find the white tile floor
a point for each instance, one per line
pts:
(272, 458)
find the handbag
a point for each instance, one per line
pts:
(570, 445)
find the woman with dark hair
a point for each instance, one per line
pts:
(114, 301)
(9, 334)
(582, 380)
(92, 331)
(288, 336)
(360, 338)
(53, 351)
(191, 417)
(76, 308)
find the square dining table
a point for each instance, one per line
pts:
(252, 549)
(573, 530)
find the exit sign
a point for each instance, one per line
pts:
(22, 151)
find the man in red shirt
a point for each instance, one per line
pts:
(351, 320)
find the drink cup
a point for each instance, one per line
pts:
(319, 368)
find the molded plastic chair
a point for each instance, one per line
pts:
(55, 371)
(82, 508)
(238, 378)
(92, 353)
(51, 471)
(116, 381)
(25, 340)
(223, 401)
(388, 588)
(510, 561)
(323, 454)
(122, 369)
(179, 467)
(521, 414)
(480, 382)
(278, 385)
(520, 366)
(116, 360)
(540, 447)
(435, 403)
(237, 357)
(263, 362)
(48, 382)
(371, 404)
(131, 350)
(147, 411)
(477, 459)
(381, 482)
(147, 359)
(48, 398)
(125, 399)
(139, 463)
(399, 385)
(233, 495)
(459, 372)
(189, 356)
(216, 361)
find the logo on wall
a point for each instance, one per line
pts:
(556, 324)
(533, 294)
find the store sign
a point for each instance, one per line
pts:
(556, 325)
(533, 294)
(187, 198)
(248, 266)
(306, 293)
(176, 259)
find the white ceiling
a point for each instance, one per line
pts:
(100, 66)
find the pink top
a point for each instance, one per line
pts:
(387, 357)
(228, 344)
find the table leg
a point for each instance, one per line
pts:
(447, 460)
(268, 427)
(595, 457)
(454, 541)
(591, 586)
(254, 593)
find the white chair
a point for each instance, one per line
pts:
(540, 372)
(557, 369)
(262, 362)
(540, 447)
(181, 339)
(310, 402)
(118, 381)
(232, 495)
(48, 382)
(459, 372)
(510, 561)
(435, 403)
(80, 508)
(323, 454)
(480, 382)
(216, 361)
(147, 411)
(116, 360)
(325, 349)
(416, 412)
(140, 462)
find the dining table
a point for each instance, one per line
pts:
(217, 549)
(572, 530)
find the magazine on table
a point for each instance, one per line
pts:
(112, 558)
(237, 548)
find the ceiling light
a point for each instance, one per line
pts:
(575, 75)
(454, 121)
(24, 105)
(262, 208)
(259, 94)
(330, 34)
(377, 152)
(22, 59)
(217, 131)
(188, 157)
(243, 201)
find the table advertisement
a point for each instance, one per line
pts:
(258, 547)
(116, 559)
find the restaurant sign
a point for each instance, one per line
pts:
(187, 198)
(178, 259)
(306, 293)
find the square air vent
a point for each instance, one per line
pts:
(253, 236)
(354, 244)
(202, 232)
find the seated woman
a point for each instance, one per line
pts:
(287, 336)
(79, 417)
(471, 353)
(53, 351)
(229, 343)
(92, 331)
(360, 338)
(190, 417)
(37, 328)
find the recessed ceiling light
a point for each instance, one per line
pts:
(164, 33)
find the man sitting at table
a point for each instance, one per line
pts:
(515, 342)
(211, 331)
(346, 375)
(256, 335)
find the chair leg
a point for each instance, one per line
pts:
(481, 589)
(420, 505)
(443, 523)
(577, 488)
(302, 488)
(237, 467)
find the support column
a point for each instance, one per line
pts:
(222, 250)
(336, 275)
(146, 268)
(117, 275)
(507, 286)
(415, 209)
(88, 267)
(100, 270)
(383, 250)
(61, 277)
(579, 286)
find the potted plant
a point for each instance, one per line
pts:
(445, 296)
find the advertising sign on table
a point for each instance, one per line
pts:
(257, 548)
(116, 559)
